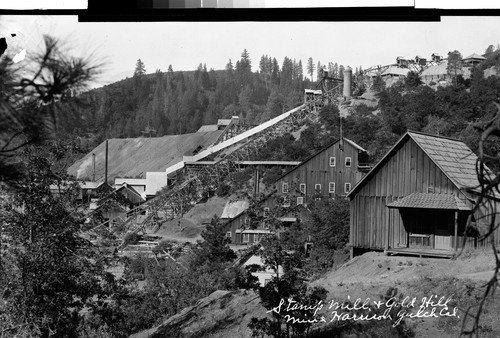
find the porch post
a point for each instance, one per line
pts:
(456, 230)
(388, 232)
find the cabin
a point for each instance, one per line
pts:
(330, 173)
(417, 199)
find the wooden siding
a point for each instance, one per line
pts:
(317, 170)
(408, 170)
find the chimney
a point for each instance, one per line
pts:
(347, 82)
(106, 164)
(93, 165)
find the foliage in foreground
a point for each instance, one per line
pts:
(49, 273)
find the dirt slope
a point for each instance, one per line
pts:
(226, 314)
(223, 314)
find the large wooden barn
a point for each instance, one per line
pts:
(417, 199)
(329, 173)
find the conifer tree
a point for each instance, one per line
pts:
(310, 67)
(140, 69)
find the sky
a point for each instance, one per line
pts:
(185, 45)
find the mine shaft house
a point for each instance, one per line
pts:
(417, 199)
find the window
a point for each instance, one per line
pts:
(284, 188)
(266, 212)
(347, 187)
(302, 188)
(286, 202)
(317, 188)
(300, 200)
(228, 234)
(331, 187)
(246, 238)
(332, 161)
(247, 221)
(347, 161)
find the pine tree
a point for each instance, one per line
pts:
(140, 69)
(310, 67)
(319, 71)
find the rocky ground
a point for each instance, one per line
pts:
(227, 314)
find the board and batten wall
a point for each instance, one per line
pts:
(317, 170)
(408, 170)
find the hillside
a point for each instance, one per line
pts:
(225, 314)
(179, 102)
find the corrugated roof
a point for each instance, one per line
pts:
(430, 201)
(234, 208)
(132, 157)
(440, 69)
(394, 70)
(130, 181)
(208, 127)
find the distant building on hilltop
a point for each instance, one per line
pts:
(473, 60)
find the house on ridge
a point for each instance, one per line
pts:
(417, 199)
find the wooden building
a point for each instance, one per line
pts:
(329, 173)
(115, 206)
(417, 199)
(241, 230)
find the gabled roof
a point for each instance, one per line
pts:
(475, 56)
(453, 157)
(242, 212)
(430, 201)
(354, 144)
(125, 186)
(234, 208)
(395, 70)
(130, 181)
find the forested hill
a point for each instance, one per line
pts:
(180, 102)
(177, 102)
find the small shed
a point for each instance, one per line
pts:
(417, 199)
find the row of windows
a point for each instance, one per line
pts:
(317, 188)
(333, 161)
(246, 237)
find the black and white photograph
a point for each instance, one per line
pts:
(189, 173)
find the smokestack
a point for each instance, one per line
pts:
(93, 165)
(106, 164)
(347, 82)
